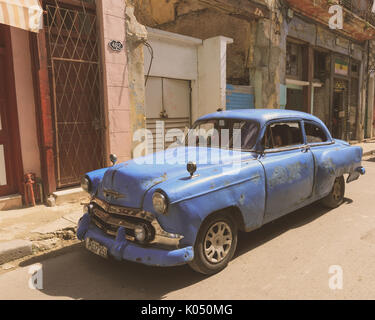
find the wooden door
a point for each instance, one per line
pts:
(10, 153)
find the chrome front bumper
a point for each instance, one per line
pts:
(110, 218)
(122, 249)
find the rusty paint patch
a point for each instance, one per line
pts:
(242, 199)
(289, 174)
(329, 166)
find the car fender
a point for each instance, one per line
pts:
(192, 200)
(334, 161)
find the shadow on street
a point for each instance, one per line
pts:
(76, 273)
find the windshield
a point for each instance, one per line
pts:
(224, 133)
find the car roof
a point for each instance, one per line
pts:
(260, 115)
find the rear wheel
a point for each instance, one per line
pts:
(336, 196)
(215, 245)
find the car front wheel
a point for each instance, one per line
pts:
(336, 196)
(215, 245)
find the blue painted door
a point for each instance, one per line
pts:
(289, 167)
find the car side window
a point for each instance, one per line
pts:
(282, 135)
(314, 133)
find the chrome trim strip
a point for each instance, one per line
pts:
(161, 236)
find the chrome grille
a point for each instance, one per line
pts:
(110, 217)
(111, 222)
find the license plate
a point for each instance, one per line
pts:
(96, 248)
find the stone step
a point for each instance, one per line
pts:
(71, 195)
(11, 202)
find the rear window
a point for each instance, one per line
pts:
(282, 135)
(315, 133)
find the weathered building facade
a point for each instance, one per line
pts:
(328, 70)
(99, 71)
(285, 55)
(63, 91)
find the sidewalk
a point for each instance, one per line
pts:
(35, 230)
(368, 147)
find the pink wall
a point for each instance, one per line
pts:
(111, 16)
(25, 101)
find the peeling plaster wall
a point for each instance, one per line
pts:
(136, 34)
(210, 23)
(193, 19)
(267, 71)
(111, 16)
(256, 57)
(123, 78)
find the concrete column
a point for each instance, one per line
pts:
(267, 72)
(111, 16)
(212, 75)
(370, 114)
(136, 35)
(362, 100)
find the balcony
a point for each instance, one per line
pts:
(359, 21)
(361, 8)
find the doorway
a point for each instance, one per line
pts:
(295, 98)
(339, 112)
(167, 101)
(76, 89)
(11, 170)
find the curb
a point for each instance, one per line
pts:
(369, 153)
(15, 249)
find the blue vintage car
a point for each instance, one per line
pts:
(168, 214)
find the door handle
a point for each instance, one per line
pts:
(305, 149)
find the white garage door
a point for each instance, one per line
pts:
(167, 100)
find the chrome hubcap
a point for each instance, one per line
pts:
(218, 242)
(337, 191)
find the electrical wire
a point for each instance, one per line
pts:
(151, 51)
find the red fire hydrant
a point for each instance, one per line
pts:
(29, 189)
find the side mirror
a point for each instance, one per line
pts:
(113, 159)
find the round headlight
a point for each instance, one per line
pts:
(159, 202)
(140, 233)
(86, 184)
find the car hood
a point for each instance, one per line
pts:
(125, 184)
